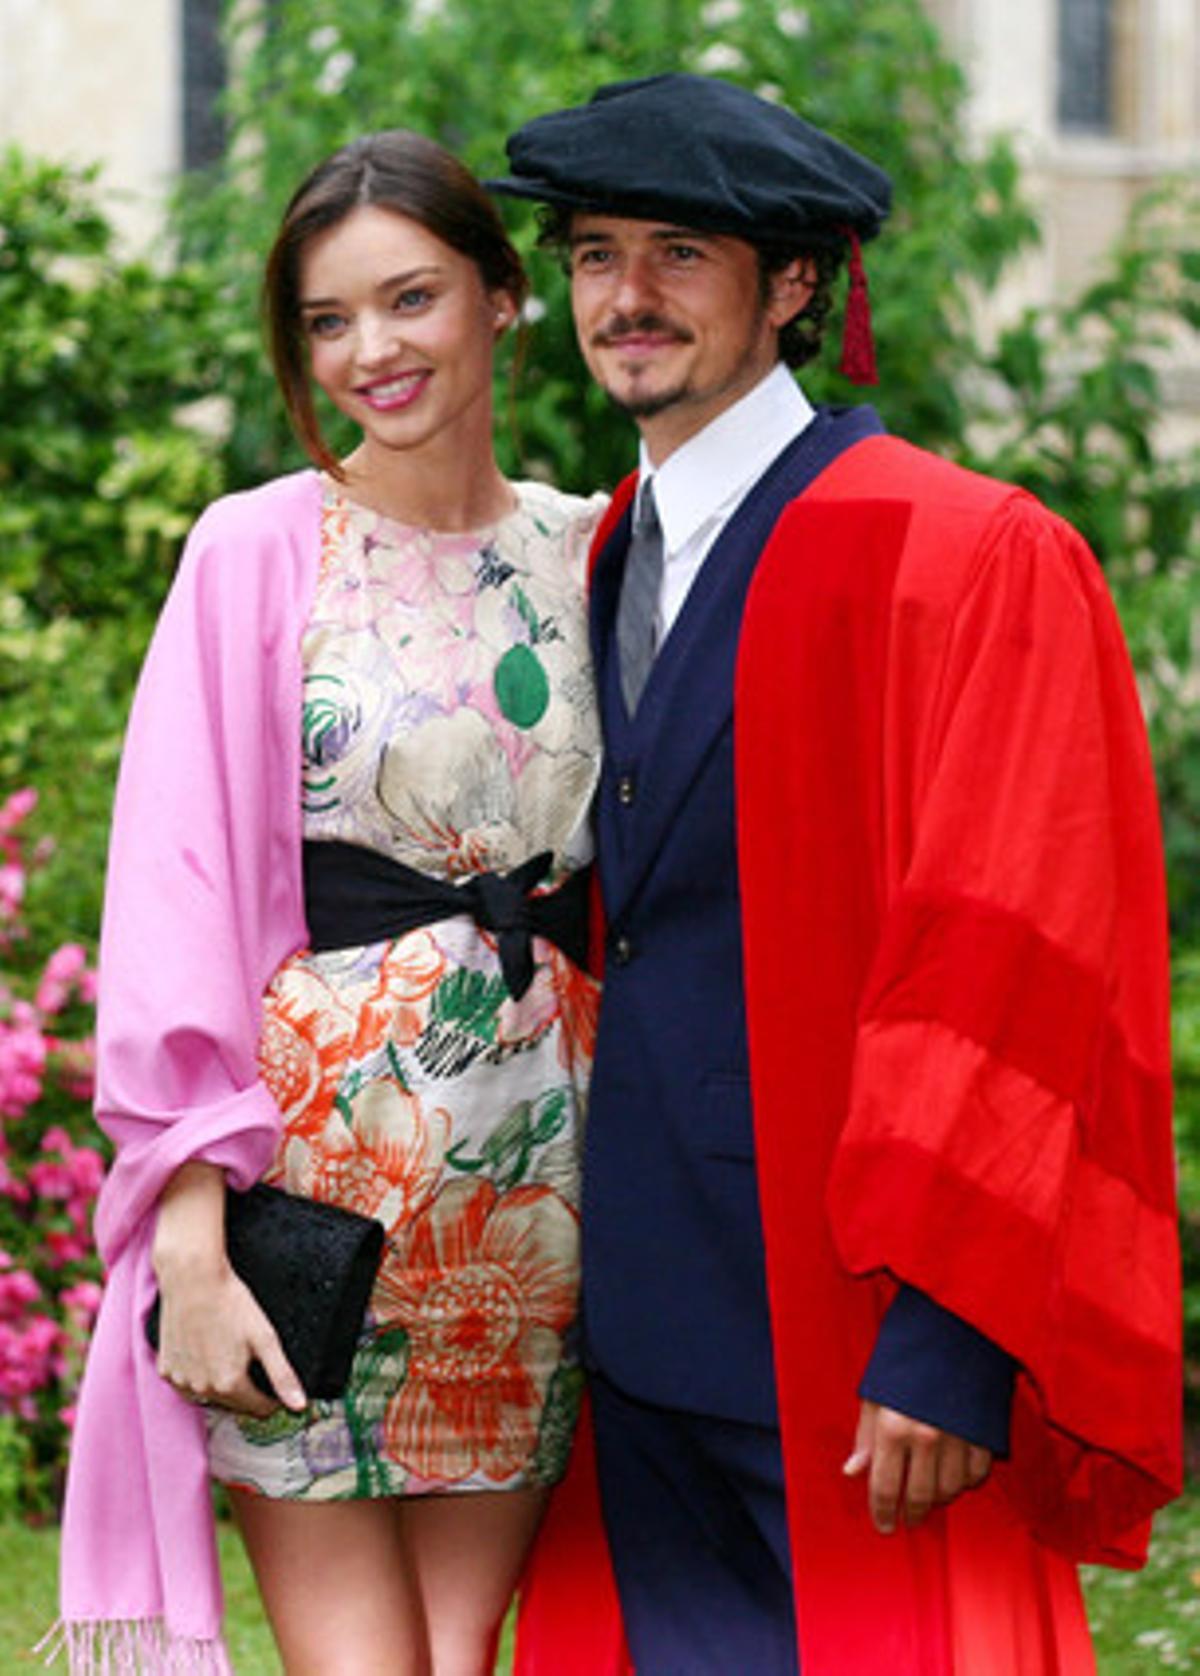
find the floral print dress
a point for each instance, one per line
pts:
(449, 722)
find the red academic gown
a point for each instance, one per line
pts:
(956, 981)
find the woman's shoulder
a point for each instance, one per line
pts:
(556, 511)
(253, 553)
(267, 507)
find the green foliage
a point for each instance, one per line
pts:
(1160, 611)
(1077, 418)
(98, 476)
(1081, 399)
(1186, 1046)
(14, 1466)
(64, 693)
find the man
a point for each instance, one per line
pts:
(880, 1285)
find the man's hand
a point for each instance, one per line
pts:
(912, 1467)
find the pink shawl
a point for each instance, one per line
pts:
(203, 902)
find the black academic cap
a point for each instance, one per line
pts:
(702, 153)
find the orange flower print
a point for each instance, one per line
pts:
(335, 531)
(398, 1006)
(385, 1162)
(579, 998)
(485, 1285)
(306, 1036)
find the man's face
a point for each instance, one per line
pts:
(673, 323)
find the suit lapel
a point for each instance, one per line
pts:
(688, 700)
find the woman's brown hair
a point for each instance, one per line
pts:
(395, 170)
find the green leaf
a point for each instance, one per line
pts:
(469, 1001)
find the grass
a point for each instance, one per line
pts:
(1143, 1622)
(28, 1562)
(1149, 1620)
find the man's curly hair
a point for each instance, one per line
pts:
(800, 340)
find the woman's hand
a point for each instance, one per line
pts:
(912, 1467)
(210, 1325)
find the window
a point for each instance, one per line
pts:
(1087, 100)
(203, 83)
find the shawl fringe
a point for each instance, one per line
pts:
(132, 1647)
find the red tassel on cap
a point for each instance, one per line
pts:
(858, 340)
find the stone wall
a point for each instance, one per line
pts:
(97, 81)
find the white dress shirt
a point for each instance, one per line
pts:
(699, 487)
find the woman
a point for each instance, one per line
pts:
(388, 653)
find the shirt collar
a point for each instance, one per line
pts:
(719, 463)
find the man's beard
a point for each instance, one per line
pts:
(649, 405)
(653, 402)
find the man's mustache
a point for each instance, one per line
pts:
(634, 325)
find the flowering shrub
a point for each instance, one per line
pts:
(50, 1174)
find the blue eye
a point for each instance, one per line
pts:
(324, 325)
(416, 296)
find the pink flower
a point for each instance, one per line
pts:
(80, 1302)
(63, 1247)
(87, 1172)
(17, 808)
(18, 1289)
(22, 1060)
(12, 889)
(27, 1362)
(11, 1187)
(439, 572)
(523, 1021)
(43, 1331)
(76, 1173)
(52, 1176)
(61, 974)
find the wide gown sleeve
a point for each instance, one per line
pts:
(1008, 1146)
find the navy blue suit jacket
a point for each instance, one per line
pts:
(675, 1307)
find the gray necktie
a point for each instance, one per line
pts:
(638, 605)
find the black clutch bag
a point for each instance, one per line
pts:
(311, 1267)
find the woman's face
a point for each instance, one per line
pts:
(400, 331)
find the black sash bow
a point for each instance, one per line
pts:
(354, 896)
